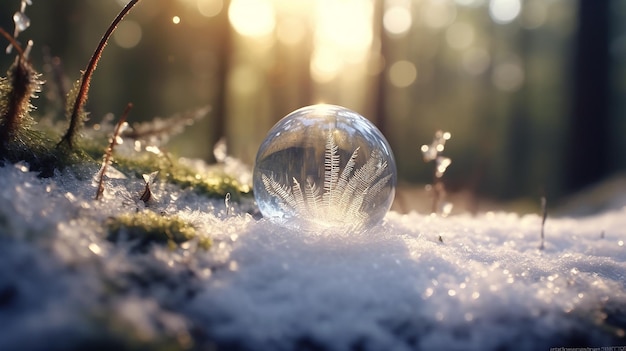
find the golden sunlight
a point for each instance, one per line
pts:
(342, 36)
(252, 18)
(397, 19)
(210, 8)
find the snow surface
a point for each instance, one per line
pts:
(487, 286)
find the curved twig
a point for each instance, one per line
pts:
(81, 97)
(13, 42)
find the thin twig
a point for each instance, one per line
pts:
(13, 42)
(109, 152)
(81, 97)
(544, 210)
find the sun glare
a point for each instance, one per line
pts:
(342, 36)
(252, 18)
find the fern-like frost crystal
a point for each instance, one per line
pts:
(322, 167)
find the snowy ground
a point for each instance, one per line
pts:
(487, 286)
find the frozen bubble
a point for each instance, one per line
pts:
(324, 166)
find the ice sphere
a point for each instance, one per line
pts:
(325, 166)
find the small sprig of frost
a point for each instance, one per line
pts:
(22, 22)
(433, 152)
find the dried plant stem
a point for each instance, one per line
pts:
(109, 152)
(81, 98)
(13, 42)
(544, 211)
(12, 118)
(23, 82)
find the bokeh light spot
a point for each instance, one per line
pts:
(508, 76)
(534, 14)
(402, 74)
(325, 66)
(210, 8)
(252, 18)
(475, 61)
(244, 80)
(290, 31)
(470, 3)
(345, 26)
(438, 14)
(460, 35)
(128, 34)
(397, 20)
(176, 20)
(504, 11)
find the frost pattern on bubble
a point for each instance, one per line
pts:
(325, 166)
(343, 197)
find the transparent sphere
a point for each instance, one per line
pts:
(325, 166)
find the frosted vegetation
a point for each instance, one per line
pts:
(259, 286)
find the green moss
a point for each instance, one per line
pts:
(41, 153)
(21, 141)
(149, 227)
(213, 184)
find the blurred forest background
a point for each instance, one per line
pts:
(532, 91)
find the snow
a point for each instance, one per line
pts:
(485, 286)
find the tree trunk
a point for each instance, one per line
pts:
(586, 159)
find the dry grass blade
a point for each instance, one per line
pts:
(109, 151)
(160, 130)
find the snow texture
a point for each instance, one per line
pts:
(484, 286)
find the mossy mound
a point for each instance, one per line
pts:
(147, 227)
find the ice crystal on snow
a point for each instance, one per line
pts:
(344, 191)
